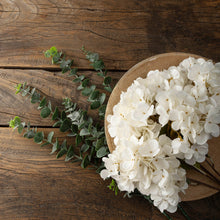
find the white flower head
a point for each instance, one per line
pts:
(164, 118)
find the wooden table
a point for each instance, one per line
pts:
(33, 184)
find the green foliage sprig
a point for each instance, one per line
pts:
(95, 97)
(89, 136)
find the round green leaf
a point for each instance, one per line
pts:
(45, 112)
(101, 152)
(38, 138)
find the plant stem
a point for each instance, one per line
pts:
(196, 182)
(212, 166)
(183, 212)
(207, 174)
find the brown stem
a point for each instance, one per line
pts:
(212, 166)
(205, 184)
(206, 174)
(210, 174)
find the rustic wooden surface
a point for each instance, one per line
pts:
(33, 184)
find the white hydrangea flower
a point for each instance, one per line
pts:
(199, 155)
(186, 100)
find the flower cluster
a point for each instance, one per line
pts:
(164, 118)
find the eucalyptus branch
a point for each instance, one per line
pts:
(89, 137)
(99, 66)
(95, 97)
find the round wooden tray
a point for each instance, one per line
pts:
(161, 62)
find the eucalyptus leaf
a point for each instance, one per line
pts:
(55, 147)
(107, 80)
(61, 153)
(65, 125)
(73, 72)
(84, 132)
(84, 148)
(43, 103)
(45, 112)
(56, 124)
(50, 136)
(102, 98)
(102, 152)
(55, 114)
(95, 105)
(70, 153)
(85, 162)
(38, 138)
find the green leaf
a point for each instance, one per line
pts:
(102, 98)
(85, 82)
(18, 88)
(49, 105)
(35, 97)
(66, 125)
(92, 57)
(53, 51)
(55, 147)
(47, 54)
(70, 153)
(95, 105)
(15, 122)
(73, 72)
(99, 143)
(50, 136)
(79, 79)
(84, 148)
(107, 80)
(29, 134)
(55, 114)
(56, 58)
(100, 74)
(61, 153)
(38, 138)
(101, 152)
(102, 110)
(63, 115)
(84, 132)
(20, 128)
(86, 91)
(56, 124)
(94, 95)
(25, 91)
(78, 140)
(45, 112)
(80, 87)
(43, 102)
(74, 129)
(100, 168)
(98, 65)
(108, 88)
(85, 162)
(44, 144)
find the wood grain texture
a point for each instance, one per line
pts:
(54, 85)
(123, 32)
(34, 185)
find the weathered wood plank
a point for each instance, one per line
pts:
(54, 85)
(34, 185)
(123, 32)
